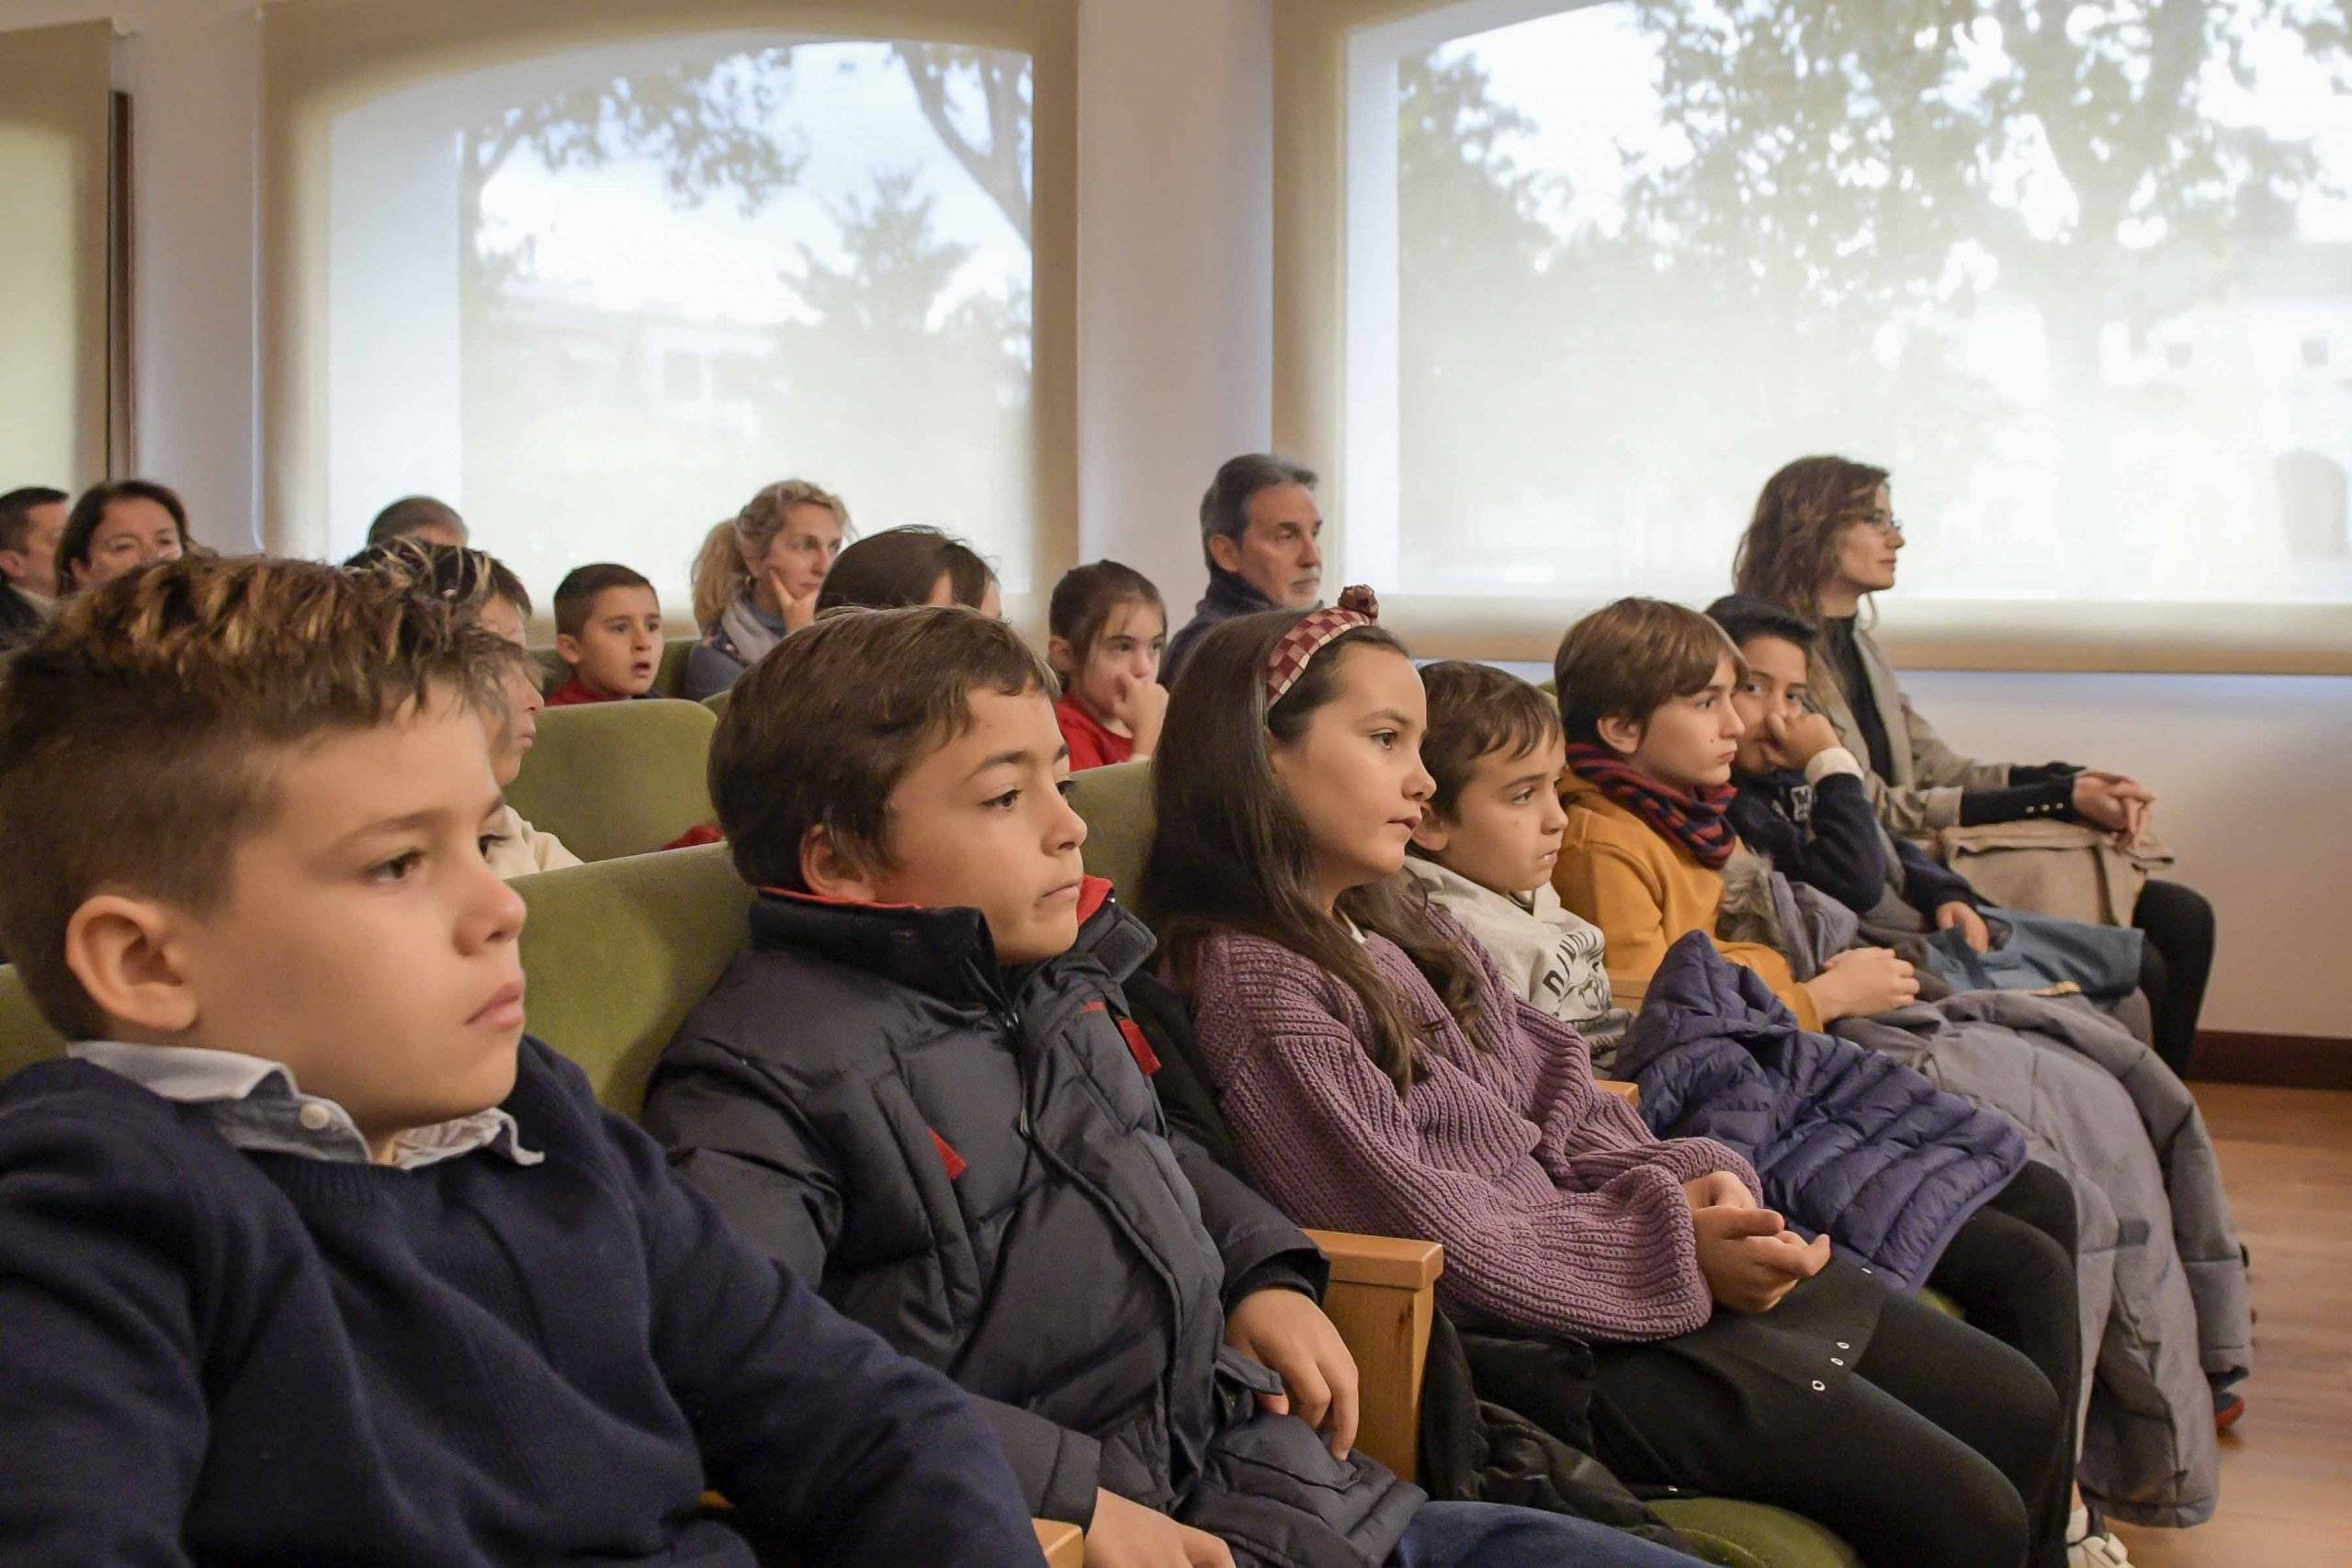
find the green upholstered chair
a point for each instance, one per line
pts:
(613, 779)
(1117, 804)
(25, 1037)
(716, 701)
(616, 953)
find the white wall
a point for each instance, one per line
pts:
(1175, 330)
(2250, 776)
(193, 68)
(1175, 264)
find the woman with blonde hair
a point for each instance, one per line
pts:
(757, 577)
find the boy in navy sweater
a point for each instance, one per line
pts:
(301, 1259)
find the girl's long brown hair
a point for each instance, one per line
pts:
(1791, 541)
(1230, 853)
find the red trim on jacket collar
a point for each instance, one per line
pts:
(1093, 892)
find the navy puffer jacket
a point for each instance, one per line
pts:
(1846, 1140)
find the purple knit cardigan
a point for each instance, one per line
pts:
(1558, 1209)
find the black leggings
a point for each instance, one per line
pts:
(1942, 1449)
(2011, 1269)
(2175, 962)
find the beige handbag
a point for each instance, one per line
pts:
(2068, 869)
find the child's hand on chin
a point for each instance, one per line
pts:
(1128, 1535)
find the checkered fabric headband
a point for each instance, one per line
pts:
(1318, 630)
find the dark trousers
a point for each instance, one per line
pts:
(2175, 962)
(2011, 1269)
(1942, 1449)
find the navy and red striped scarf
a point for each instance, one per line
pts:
(1697, 820)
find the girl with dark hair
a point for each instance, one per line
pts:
(1381, 1075)
(913, 564)
(1823, 538)
(1108, 630)
(119, 527)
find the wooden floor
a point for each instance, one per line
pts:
(2287, 1467)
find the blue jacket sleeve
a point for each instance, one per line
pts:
(830, 1441)
(752, 1154)
(1928, 886)
(1846, 855)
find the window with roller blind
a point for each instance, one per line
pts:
(597, 294)
(2080, 275)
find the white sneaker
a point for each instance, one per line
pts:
(2086, 1550)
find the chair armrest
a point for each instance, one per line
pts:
(1631, 1093)
(1063, 1544)
(1382, 1299)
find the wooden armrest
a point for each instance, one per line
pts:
(1382, 1299)
(1631, 1093)
(1380, 1260)
(1064, 1545)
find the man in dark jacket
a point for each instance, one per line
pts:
(1260, 534)
(921, 1091)
(32, 518)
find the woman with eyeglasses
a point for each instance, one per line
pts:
(1823, 537)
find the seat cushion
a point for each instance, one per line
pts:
(1116, 802)
(616, 953)
(25, 1037)
(1754, 1535)
(613, 779)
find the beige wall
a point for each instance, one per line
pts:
(194, 70)
(1175, 328)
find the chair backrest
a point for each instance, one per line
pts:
(1117, 804)
(613, 779)
(25, 1037)
(617, 952)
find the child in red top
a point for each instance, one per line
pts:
(609, 631)
(1109, 630)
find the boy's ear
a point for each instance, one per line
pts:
(1434, 833)
(1226, 551)
(1621, 735)
(567, 648)
(122, 951)
(827, 871)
